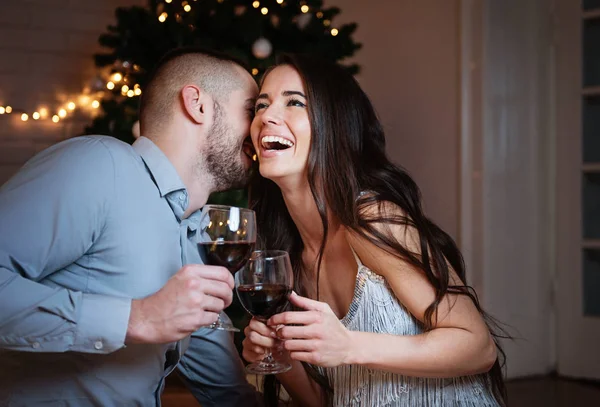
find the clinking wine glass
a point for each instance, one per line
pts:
(263, 287)
(227, 240)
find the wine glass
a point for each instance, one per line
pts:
(263, 287)
(227, 240)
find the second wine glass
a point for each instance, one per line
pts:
(263, 287)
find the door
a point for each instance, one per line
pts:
(577, 61)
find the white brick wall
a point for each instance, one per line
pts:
(46, 53)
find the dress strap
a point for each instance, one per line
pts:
(356, 257)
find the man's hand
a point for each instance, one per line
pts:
(192, 298)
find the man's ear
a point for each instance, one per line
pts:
(197, 104)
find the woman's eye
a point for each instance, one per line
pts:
(296, 102)
(260, 106)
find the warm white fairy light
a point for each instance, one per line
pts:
(71, 106)
(319, 14)
(95, 104)
(110, 86)
(186, 7)
(8, 109)
(36, 115)
(279, 1)
(124, 89)
(2, 110)
(116, 77)
(24, 117)
(62, 113)
(304, 9)
(264, 11)
(137, 91)
(256, 4)
(130, 93)
(163, 17)
(334, 31)
(168, 1)
(43, 112)
(55, 118)
(326, 23)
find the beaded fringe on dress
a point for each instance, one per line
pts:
(375, 308)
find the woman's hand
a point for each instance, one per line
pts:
(320, 340)
(259, 338)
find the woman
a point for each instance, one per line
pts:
(385, 317)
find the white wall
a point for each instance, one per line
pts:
(46, 49)
(410, 70)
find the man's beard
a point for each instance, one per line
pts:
(223, 155)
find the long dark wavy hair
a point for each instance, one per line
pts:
(347, 156)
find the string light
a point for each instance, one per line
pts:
(85, 101)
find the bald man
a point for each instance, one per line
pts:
(102, 293)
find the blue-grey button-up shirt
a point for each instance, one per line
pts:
(86, 226)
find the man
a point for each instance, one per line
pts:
(100, 282)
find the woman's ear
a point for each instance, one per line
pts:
(196, 104)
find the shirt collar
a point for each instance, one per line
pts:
(166, 178)
(165, 175)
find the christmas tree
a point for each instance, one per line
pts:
(252, 31)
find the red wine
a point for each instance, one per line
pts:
(232, 255)
(264, 300)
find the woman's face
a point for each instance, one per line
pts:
(281, 129)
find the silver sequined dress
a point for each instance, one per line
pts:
(375, 308)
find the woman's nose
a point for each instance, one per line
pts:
(271, 115)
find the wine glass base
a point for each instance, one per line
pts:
(264, 368)
(223, 327)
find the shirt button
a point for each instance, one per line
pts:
(98, 345)
(35, 345)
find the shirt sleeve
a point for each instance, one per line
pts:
(213, 371)
(51, 212)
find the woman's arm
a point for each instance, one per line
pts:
(302, 389)
(459, 344)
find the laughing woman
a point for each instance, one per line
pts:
(383, 314)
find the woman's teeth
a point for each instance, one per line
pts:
(275, 143)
